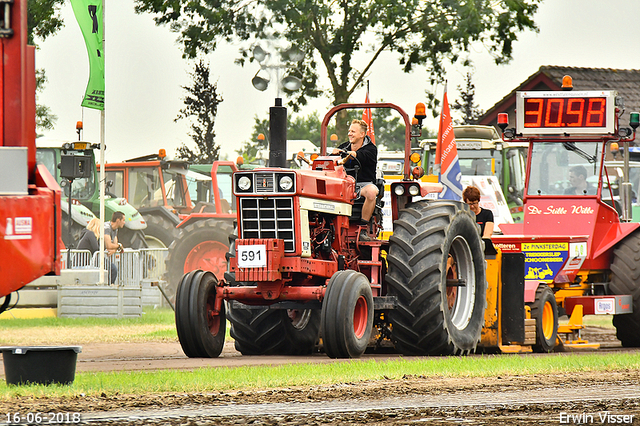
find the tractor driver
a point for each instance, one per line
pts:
(361, 148)
(578, 182)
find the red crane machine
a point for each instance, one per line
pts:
(30, 215)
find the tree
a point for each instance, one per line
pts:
(201, 105)
(43, 20)
(347, 37)
(470, 111)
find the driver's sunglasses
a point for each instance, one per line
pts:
(472, 203)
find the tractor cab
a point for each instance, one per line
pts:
(85, 194)
(572, 231)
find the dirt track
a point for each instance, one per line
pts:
(508, 400)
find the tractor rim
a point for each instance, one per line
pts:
(299, 318)
(452, 274)
(461, 309)
(547, 320)
(213, 318)
(360, 317)
(154, 242)
(208, 256)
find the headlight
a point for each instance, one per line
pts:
(286, 183)
(244, 183)
(399, 190)
(414, 190)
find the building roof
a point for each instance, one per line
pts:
(625, 82)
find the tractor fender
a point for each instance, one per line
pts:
(80, 214)
(195, 217)
(430, 188)
(161, 211)
(615, 235)
(133, 218)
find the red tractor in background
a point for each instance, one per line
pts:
(298, 269)
(196, 231)
(203, 241)
(30, 238)
(578, 252)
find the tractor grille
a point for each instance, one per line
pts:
(264, 182)
(268, 218)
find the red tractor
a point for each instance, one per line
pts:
(578, 252)
(30, 216)
(299, 271)
(203, 240)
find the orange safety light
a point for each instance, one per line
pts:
(414, 121)
(503, 120)
(333, 137)
(567, 83)
(79, 125)
(162, 153)
(261, 137)
(421, 113)
(614, 147)
(415, 157)
(314, 156)
(240, 160)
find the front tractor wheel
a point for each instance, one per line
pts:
(347, 315)
(545, 311)
(437, 272)
(201, 331)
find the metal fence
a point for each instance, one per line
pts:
(133, 266)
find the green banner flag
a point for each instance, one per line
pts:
(89, 16)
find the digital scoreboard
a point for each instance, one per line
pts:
(559, 112)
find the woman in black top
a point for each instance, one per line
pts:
(89, 241)
(89, 237)
(484, 217)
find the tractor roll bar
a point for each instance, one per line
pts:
(407, 133)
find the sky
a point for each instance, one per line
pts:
(145, 71)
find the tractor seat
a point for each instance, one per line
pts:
(356, 210)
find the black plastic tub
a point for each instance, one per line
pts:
(42, 365)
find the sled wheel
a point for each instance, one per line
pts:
(201, 331)
(625, 270)
(545, 311)
(436, 272)
(347, 315)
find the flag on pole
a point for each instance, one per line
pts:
(367, 118)
(90, 19)
(446, 162)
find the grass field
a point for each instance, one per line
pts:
(155, 325)
(158, 325)
(353, 371)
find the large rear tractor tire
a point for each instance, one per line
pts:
(200, 245)
(160, 232)
(132, 239)
(347, 315)
(200, 331)
(625, 279)
(545, 311)
(258, 330)
(434, 242)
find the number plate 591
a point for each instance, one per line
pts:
(254, 256)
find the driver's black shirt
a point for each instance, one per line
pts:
(367, 156)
